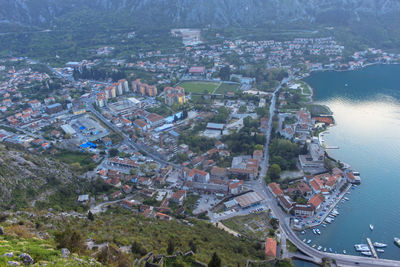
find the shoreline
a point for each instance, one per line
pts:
(357, 68)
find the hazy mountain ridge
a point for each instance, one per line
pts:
(201, 12)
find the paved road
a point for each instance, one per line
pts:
(127, 140)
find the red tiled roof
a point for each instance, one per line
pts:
(270, 247)
(316, 200)
(275, 188)
(315, 185)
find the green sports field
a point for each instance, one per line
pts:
(227, 87)
(199, 87)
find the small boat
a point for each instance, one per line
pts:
(397, 241)
(379, 245)
(309, 241)
(361, 247)
(314, 231)
(318, 231)
(314, 246)
(323, 225)
(303, 232)
(324, 249)
(344, 251)
(371, 226)
(319, 248)
(304, 240)
(330, 250)
(346, 198)
(366, 253)
(380, 250)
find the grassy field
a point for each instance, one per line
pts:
(80, 162)
(227, 87)
(42, 251)
(199, 87)
(254, 226)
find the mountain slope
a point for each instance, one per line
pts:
(27, 179)
(202, 12)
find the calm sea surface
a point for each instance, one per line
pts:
(366, 107)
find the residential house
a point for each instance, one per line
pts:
(178, 197)
(275, 189)
(316, 201)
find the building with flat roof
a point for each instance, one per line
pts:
(215, 126)
(68, 129)
(249, 199)
(200, 70)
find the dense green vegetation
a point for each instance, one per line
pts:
(80, 162)
(244, 141)
(284, 153)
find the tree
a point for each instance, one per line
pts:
(113, 152)
(274, 172)
(90, 216)
(274, 223)
(70, 239)
(192, 246)
(304, 149)
(184, 114)
(171, 246)
(136, 248)
(242, 109)
(225, 73)
(215, 261)
(328, 164)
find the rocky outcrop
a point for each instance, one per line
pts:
(26, 259)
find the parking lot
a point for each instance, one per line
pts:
(205, 203)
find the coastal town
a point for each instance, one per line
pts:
(204, 133)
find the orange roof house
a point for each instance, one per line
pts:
(275, 189)
(270, 247)
(316, 200)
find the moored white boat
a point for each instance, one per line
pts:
(361, 247)
(379, 245)
(366, 253)
(371, 226)
(380, 250)
(397, 241)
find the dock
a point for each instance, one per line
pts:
(332, 147)
(371, 246)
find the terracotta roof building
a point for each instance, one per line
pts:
(270, 247)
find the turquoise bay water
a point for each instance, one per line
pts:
(366, 107)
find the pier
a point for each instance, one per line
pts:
(332, 147)
(371, 246)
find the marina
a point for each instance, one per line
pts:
(357, 131)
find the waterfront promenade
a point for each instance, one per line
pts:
(332, 207)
